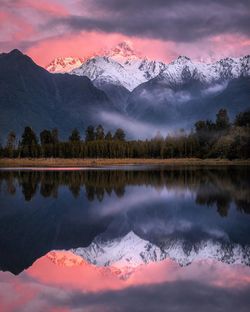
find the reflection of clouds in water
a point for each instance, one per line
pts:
(175, 224)
(219, 287)
(175, 219)
(216, 233)
(137, 197)
(167, 227)
(176, 296)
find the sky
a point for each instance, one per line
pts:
(161, 29)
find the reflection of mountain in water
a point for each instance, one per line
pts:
(128, 252)
(160, 213)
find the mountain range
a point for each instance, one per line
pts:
(119, 87)
(128, 252)
(124, 256)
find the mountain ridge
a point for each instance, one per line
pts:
(123, 66)
(30, 95)
(166, 99)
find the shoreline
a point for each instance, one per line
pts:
(102, 162)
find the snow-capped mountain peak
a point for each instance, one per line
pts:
(124, 67)
(183, 68)
(123, 52)
(103, 69)
(120, 66)
(64, 64)
(181, 60)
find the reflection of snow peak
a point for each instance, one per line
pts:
(132, 251)
(127, 251)
(65, 258)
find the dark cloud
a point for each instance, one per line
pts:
(174, 296)
(181, 21)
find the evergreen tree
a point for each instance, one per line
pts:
(29, 145)
(222, 120)
(75, 136)
(90, 134)
(243, 119)
(11, 143)
(46, 137)
(28, 137)
(55, 136)
(11, 140)
(99, 134)
(108, 136)
(119, 135)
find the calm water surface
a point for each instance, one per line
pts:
(136, 238)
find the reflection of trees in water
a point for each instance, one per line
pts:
(29, 182)
(243, 205)
(219, 187)
(221, 199)
(222, 187)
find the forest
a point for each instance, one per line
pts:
(221, 138)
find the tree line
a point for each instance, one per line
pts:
(208, 139)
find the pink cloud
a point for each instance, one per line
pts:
(14, 28)
(54, 8)
(21, 20)
(69, 269)
(33, 289)
(86, 43)
(23, 23)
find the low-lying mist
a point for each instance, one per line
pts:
(138, 129)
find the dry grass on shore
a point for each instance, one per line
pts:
(99, 162)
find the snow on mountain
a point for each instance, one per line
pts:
(106, 70)
(120, 66)
(122, 252)
(64, 258)
(183, 69)
(123, 53)
(131, 251)
(123, 66)
(64, 64)
(67, 259)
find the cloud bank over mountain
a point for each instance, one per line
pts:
(164, 29)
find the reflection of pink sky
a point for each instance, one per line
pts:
(71, 273)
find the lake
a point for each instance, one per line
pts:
(131, 238)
